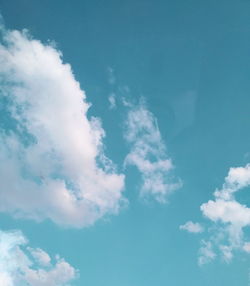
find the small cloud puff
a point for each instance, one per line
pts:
(112, 101)
(193, 227)
(246, 247)
(206, 252)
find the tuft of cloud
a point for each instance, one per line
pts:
(19, 265)
(148, 153)
(52, 162)
(246, 247)
(193, 227)
(40, 256)
(228, 217)
(112, 101)
(206, 252)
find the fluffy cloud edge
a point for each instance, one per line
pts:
(227, 219)
(23, 265)
(53, 156)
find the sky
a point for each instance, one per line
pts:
(124, 143)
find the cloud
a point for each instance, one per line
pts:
(246, 247)
(193, 227)
(52, 162)
(40, 256)
(227, 212)
(206, 253)
(148, 153)
(228, 217)
(19, 266)
(112, 101)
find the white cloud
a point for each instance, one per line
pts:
(206, 252)
(246, 247)
(112, 101)
(52, 163)
(227, 212)
(193, 227)
(148, 153)
(226, 252)
(236, 179)
(228, 216)
(19, 267)
(40, 256)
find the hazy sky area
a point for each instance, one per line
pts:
(124, 143)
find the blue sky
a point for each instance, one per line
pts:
(124, 143)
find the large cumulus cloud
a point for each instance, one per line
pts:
(52, 162)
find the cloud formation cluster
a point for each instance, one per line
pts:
(228, 217)
(148, 153)
(25, 266)
(52, 162)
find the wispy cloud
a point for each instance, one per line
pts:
(206, 252)
(112, 101)
(52, 162)
(22, 265)
(148, 153)
(193, 227)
